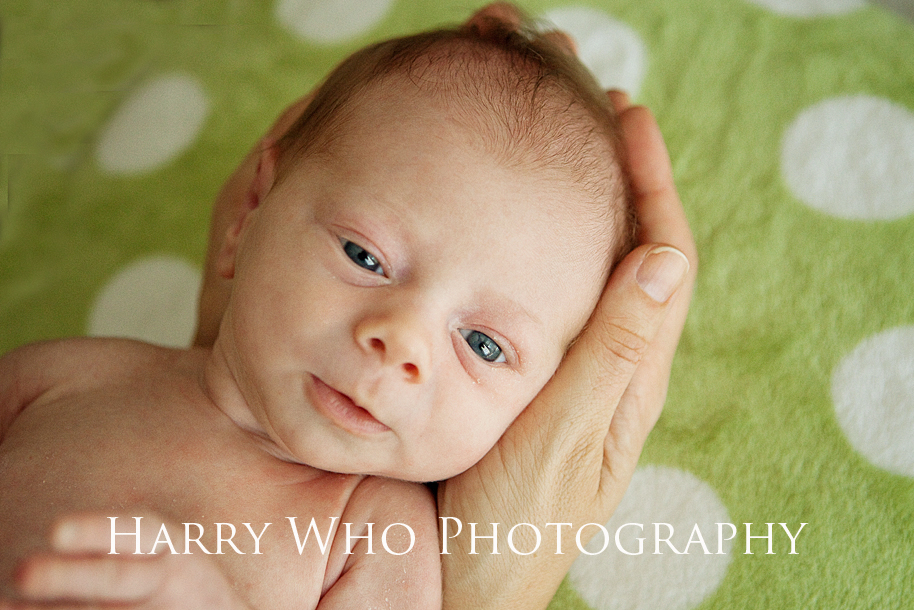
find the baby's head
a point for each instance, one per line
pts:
(422, 247)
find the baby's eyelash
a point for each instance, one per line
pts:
(483, 346)
(362, 257)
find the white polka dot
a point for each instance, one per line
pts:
(613, 580)
(330, 21)
(152, 126)
(851, 157)
(873, 392)
(153, 299)
(810, 8)
(612, 51)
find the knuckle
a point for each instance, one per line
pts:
(620, 344)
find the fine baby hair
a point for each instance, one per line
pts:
(530, 102)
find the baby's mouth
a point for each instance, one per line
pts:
(342, 411)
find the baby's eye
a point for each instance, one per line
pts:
(483, 345)
(362, 257)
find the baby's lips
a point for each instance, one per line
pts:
(362, 409)
(343, 410)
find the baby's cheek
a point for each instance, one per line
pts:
(533, 383)
(466, 443)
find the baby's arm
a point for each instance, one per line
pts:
(385, 580)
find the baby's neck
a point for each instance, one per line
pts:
(220, 386)
(222, 389)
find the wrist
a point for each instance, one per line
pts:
(506, 581)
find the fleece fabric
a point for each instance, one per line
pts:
(791, 129)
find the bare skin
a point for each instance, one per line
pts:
(323, 363)
(596, 412)
(84, 442)
(624, 358)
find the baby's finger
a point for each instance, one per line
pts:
(103, 533)
(26, 605)
(109, 579)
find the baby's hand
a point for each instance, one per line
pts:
(79, 572)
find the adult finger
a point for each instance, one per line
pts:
(661, 215)
(619, 99)
(662, 219)
(495, 15)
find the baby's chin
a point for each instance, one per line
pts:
(424, 473)
(418, 475)
(440, 471)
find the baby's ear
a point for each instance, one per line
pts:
(255, 193)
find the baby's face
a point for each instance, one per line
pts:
(399, 301)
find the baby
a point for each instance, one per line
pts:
(416, 255)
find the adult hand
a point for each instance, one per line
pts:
(571, 454)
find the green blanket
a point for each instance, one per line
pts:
(791, 127)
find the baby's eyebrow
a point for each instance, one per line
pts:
(522, 326)
(509, 306)
(533, 318)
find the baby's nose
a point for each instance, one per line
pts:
(398, 342)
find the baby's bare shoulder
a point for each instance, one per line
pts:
(35, 370)
(404, 568)
(50, 363)
(394, 501)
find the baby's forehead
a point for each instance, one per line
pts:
(395, 106)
